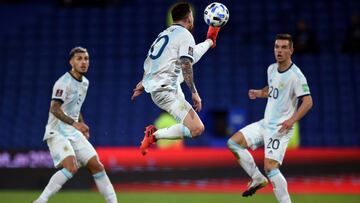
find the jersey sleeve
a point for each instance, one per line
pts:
(187, 46)
(301, 87)
(59, 91)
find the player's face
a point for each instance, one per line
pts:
(80, 62)
(282, 50)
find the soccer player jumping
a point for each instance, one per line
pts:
(286, 86)
(169, 63)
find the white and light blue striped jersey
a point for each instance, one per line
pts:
(162, 68)
(71, 92)
(284, 90)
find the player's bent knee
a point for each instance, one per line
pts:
(231, 144)
(99, 167)
(196, 132)
(239, 139)
(72, 169)
(270, 165)
(95, 166)
(70, 165)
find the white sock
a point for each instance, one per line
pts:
(54, 185)
(201, 48)
(105, 187)
(177, 131)
(279, 185)
(245, 160)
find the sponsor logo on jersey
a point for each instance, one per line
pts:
(59, 93)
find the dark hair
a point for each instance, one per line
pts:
(287, 37)
(77, 50)
(180, 11)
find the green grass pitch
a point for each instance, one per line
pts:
(169, 197)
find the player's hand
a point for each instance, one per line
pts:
(137, 90)
(286, 126)
(196, 101)
(83, 128)
(253, 94)
(212, 34)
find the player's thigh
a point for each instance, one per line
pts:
(84, 151)
(253, 135)
(60, 148)
(275, 145)
(173, 103)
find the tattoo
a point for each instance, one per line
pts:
(56, 110)
(188, 74)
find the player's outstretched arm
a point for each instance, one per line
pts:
(305, 106)
(137, 90)
(212, 34)
(263, 93)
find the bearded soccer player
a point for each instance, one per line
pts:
(67, 134)
(170, 62)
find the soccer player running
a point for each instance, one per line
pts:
(286, 86)
(66, 133)
(169, 63)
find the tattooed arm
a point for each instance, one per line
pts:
(189, 79)
(55, 109)
(187, 70)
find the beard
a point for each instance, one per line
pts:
(81, 71)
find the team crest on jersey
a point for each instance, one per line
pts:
(191, 51)
(59, 93)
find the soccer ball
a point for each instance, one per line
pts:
(216, 14)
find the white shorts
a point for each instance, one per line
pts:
(173, 102)
(275, 144)
(74, 144)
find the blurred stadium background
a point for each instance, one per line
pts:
(36, 36)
